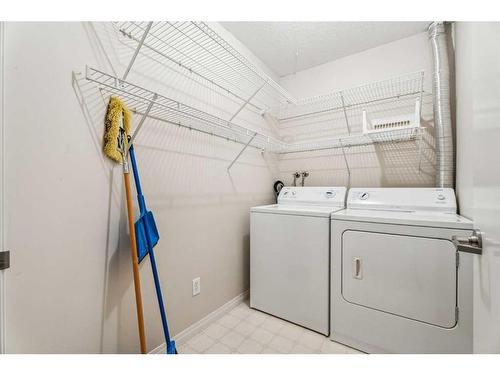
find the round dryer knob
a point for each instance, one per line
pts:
(364, 196)
(329, 194)
(441, 197)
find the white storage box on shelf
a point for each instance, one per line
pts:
(401, 127)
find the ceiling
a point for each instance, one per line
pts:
(288, 47)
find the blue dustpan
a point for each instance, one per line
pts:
(145, 228)
(146, 238)
(146, 233)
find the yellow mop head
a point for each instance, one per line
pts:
(112, 122)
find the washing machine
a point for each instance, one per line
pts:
(399, 285)
(290, 255)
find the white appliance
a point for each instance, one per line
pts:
(399, 285)
(290, 255)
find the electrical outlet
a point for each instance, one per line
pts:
(196, 286)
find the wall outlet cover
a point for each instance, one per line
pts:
(196, 286)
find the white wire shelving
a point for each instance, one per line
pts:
(202, 52)
(147, 103)
(199, 50)
(393, 89)
(391, 135)
(156, 106)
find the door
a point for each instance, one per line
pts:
(477, 47)
(413, 277)
(289, 268)
(3, 323)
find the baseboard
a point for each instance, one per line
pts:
(201, 324)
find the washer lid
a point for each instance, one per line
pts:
(302, 210)
(403, 199)
(313, 196)
(417, 218)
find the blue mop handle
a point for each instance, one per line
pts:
(160, 299)
(142, 205)
(140, 197)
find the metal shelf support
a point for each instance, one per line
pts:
(138, 48)
(141, 122)
(420, 139)
(345, 113)
(247, 101)
(241, 152)
(346, 164)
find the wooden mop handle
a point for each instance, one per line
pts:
(135, 263)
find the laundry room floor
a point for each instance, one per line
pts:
(243, 330)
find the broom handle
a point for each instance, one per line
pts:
(135, 263)
(140, 197)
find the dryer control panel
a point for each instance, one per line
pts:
(403, 199)
(321, 196)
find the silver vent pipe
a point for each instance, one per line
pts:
(443, 133)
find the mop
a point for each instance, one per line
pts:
(147, 238)
(117, 126)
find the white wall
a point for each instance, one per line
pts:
(381, 165)
(70, 288)
(386, 61)
(478, 159)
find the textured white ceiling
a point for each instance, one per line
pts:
(288, 47)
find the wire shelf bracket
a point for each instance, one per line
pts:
(137, 49)
(241, 152)
(247, 101)
(346, 165)
(345, 113)
(141, 122)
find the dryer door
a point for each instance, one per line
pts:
(413, 277)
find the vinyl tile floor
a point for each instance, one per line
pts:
(243, 330)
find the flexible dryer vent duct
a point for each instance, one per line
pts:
(445, 160)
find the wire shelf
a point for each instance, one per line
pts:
(406, 86)
(197, 48)
(156, 106)
(173, 112)
(398, 135)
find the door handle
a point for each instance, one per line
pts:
(4, 260)
(358, 271)
(472, 244)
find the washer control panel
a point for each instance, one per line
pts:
(324, 196)
(403, 199)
